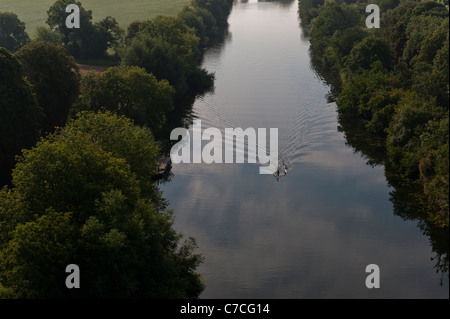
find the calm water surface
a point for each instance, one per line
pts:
(312, 234)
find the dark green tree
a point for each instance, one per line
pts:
(91, 40)
(420, 31)
(202, 21)
(220, 9)
(369, 51)
(55, 78)
(44, 34)
(128, 91)
(76, 40)
(12, 32)
(75, 202)
(21, 116)
(160, 59)
(113, 33)
(118, 135)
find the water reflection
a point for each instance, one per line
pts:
(404, 195)
(312, 234)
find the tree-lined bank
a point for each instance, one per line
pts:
(394, 81)
(83, 153)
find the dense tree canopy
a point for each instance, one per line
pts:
(55, 78)
(396, 81)
(91, 40)
(202, 21)
(21, 116)
(128, 91)
(12, 32)
(169, 49)
(85, 193)
(367, 52)
(76, 198)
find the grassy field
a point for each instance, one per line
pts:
(34, 12)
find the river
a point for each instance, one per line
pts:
(312, 233)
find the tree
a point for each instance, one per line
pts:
(55, 78)
(395, 23)
(308, 10)
(73, 201)
(76, 39)
(158, 58)
(176, 33)
(202, 21)
(369, 51)
(91, 40)
(113, 33)
(408, 122)
(169, 49)
(128, 91)
(419, 29)
(44, 34)
(359, 91)
(332, 17)
(12, 32)
(118, 135)
(220, 9)
(21, 116)
(434, 169)
(51, 233)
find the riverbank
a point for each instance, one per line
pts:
(312, 233)
(395, 81)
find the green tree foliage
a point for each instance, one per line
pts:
(434, 168)
(44, 34)
(419, 29)
(409, 121)
(220, 9)
(308, 10)
(158, 58)
(37, 249)
(202, 21)
(396, 81)
(91, 40)
(394, 27)
(358, 91)
(77, 199)
(12, 32)
(118, 135)
(367, 52)
(113, 33)
(333, 34)
(173, 31)
(169, 49)
(77, 41)
(21, 116)
(332, 17)
(55, 78)
(129, 91)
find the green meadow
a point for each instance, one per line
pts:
(34, 12)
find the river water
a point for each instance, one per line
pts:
(312, 233)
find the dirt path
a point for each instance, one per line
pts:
(87, 68)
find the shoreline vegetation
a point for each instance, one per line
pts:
(79, 150)
(391, 84)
